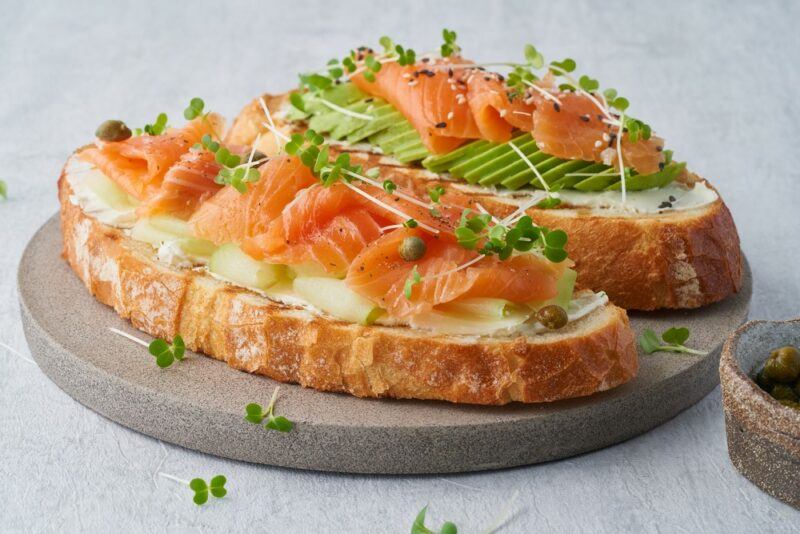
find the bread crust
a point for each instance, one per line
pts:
(288, 344)
(673, 260)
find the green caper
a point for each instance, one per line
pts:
(784, 392)
(552, 316)
(113, 130)
(764, 382)
(783, 365)
(412, 248)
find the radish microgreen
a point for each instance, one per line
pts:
(233, 172)
(476, 232)
(449, 47)
(419, 525)
(157, 128)
(3, 190)
(195, 108)
(166, 353)
(255, 414)
(412, 280)
(436, 193)
(389, 186)
(216, 487)
(673, 341)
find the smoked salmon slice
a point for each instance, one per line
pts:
(496, 114)
(139, 164)
(230, 216)
(380, 274)
(186, 185)
(574, 128)
(432, 100)
(326, 225)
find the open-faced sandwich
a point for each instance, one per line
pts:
(308, 268)
(537, 139)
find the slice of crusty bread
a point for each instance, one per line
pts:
(676, 259)
(291, 344)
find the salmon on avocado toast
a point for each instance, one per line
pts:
(307, 267)
(530, 134)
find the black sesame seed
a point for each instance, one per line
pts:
(426, 59)
(659, 148)
(441, 125)
(368, 100)
(501, 77)
(661, 166)
(450, 73)
(585, 118)
(416, 74)
(486, 78)
(556, 106)
(428, 73)
(671, 198)
(664, 204)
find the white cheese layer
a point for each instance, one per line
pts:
(671, 198)
(79, 173)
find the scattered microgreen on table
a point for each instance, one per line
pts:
(201, 488)
(255, 414)
(673, 341)
(3, 190)
(418, 527)
(167, 353)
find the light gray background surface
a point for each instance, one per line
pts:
(718, 80)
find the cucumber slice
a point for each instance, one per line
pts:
(460, 323)
(311, 269)
(229, 262)
(334, 297)
(110, 193)
(160, 229)
(481, 308)
(565, 287)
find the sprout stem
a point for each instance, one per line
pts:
(127, 335)
(172, 477)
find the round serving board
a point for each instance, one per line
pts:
(200, 402)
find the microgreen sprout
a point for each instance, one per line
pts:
(195, 108)
(255, 414)
(412, 280)
(3, 190)
(419, 525)
(405, 56)
(167, 353)
(157, 128)
(475, 232)
(389, 186)
(674, 339)
(232, 171)
(436, 193)
(315, 155)
(201, 488)
(410, 223)
(449, 47)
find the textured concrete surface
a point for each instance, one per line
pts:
(200, 404)
(718, 80)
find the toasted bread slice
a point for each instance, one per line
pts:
(292, 344)
(675, 259)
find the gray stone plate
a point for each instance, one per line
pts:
(200, 403)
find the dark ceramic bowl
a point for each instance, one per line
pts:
(763, 434)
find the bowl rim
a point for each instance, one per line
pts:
(732, 376)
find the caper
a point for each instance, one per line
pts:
(784, 392)
(764, 382)
(412, 248)
(113, 130)
(783, 365)
(552, 316)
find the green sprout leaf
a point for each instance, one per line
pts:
(588, 84)
(449, 47)
(567, 65)
(533, 57)
(201, 489)
(158, 127)
(256, 415)
(418, 527)
(673, 341)
(195, 109)
(297, 101)
(412, 280)
(3, 190)
(167, 353)
(389, 186)
(411, 223)
(436, 193)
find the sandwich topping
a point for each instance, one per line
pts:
(536, 126)
(306, 227)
